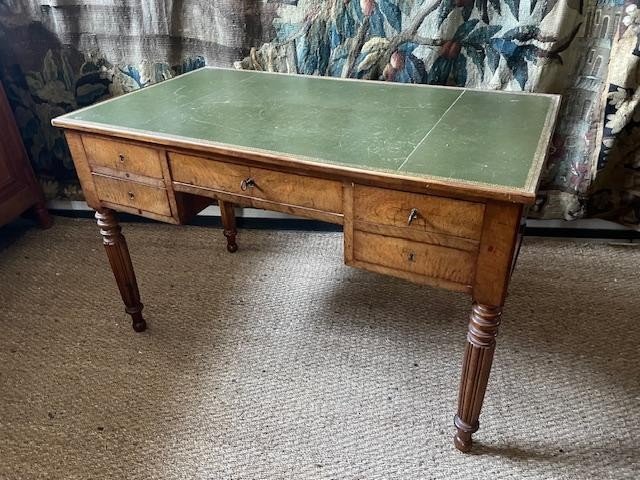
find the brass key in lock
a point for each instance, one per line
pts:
(247, 183)
(412, 215)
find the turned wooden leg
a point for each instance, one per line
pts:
(478, 355)
(498, 244)
(229, 224)
(118, 254)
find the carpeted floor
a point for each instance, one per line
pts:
(279, 362)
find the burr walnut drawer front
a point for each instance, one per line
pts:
(416, 213)
(260, 183)
(419, 258)
(126, 157)
(142, 197)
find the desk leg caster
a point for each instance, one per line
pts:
(462, 440)
(232, 246)
(478, 356)
(138, 323)
(118, 254)
(229, 224)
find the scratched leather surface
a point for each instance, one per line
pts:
(425, 131)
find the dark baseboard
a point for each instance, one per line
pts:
(314, 225)
(582, 233)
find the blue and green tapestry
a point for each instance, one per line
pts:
(57, 58)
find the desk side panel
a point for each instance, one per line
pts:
(498, 246)
(74, 140)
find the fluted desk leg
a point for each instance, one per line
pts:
(478, 356)
(118, 254)
(498, 246)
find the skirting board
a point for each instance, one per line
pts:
(579, 228)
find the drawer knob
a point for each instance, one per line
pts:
(413, 214)
(247, 183)
(121, 157)
(131, 195)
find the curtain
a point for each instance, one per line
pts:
(59, 55)
(56, 56)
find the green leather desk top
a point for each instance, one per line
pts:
(495, 139)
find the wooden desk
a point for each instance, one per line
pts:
(430, 183)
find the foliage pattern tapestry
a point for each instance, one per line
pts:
(59, 56)
(56, 58)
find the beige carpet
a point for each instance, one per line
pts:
(279, 362)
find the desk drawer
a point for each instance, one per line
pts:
(122, 156)
(418, 258)
(298, 190)
(132, 194)
(259, 183)
(431, 214)
(206, 173)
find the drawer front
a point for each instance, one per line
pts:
(419, 258)
(428, 213)
(298, 190)
(123, 156)
(207, 173)
(131, 194)
(277, 187)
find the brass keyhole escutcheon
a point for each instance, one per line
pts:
(413, 214)
(411, 257)
(131, 195)
(121, 157)
(247, 183)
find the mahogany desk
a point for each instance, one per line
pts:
(430, 183)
